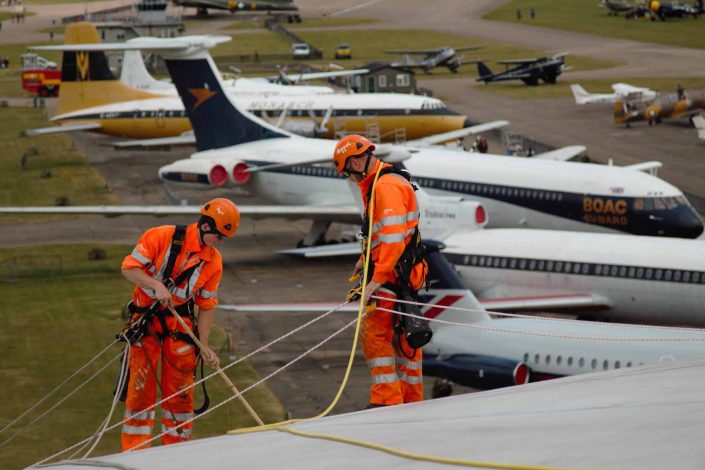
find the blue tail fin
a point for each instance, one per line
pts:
(216, 121)
(483, 71)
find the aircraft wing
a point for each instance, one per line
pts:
(562, 154)
(645, 166)
(311, 307)
(89, 126)
(320, 75)
(148, 43)
(324, 251)
(518, 61)
(341, 213)
(415, 51)
(185, 139)
(547, 302)
(452, 135)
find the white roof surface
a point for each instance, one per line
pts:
(641, 418)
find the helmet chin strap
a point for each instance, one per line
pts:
(363, 173)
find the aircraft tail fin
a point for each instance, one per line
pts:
(134, 73)
(216, 120)
(86, 78)
(447, 289)
(579, 93)
(483, 71)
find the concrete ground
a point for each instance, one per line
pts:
(254, 273)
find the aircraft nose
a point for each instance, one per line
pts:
(689, 225)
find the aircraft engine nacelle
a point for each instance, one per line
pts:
(443, 216)
(195, 173)
(238, 171)
(472, 370)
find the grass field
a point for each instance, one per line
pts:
(71, 176)
(562, 88)
(586, 16)
(370, 47)
(59, 310)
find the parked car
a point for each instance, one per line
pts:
(300, 51)
(343, 52)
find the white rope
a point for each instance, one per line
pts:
(533, 317)
(198, 382)
(121, 383)
(259, 382)
(45, 397)
(534, 333)
(95, 374)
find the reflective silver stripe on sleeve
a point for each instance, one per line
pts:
(391, 237)
(149, 292)
(180, 417)
(385, 378)
(411, 379)
(380, 361)
(139, 414)
(140, 257)
(206, 294)
(176, 433)
(140, 430)
(411, 365)
(395, 220)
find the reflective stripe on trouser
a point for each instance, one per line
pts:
(178, 365)
(378, 344)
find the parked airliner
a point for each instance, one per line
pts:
(518, 192)
(93, 99)
(487, 352)
(632, 279)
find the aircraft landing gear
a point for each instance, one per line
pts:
(441, 388)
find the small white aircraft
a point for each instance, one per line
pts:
(622, 92)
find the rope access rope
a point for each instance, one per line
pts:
(550, 335)
(95, 374)
(198, 382)
(45, 397)
(533, 317)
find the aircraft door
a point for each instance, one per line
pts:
(160, 118)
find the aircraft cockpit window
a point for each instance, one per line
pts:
(639, 204)
(659, 204)
(682, 200)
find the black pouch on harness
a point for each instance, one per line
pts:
(416, 329)
(122, 380)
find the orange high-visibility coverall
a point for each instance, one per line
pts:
(396, 373)
(179, 357)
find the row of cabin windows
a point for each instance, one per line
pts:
(588, 269)
(594, 363)
(473, 188)
(314, 171)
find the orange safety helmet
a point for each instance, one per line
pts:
(351, 145)
(224, 213)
